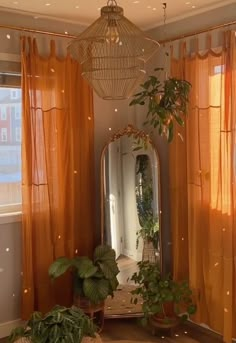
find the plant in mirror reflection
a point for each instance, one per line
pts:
(148, 219)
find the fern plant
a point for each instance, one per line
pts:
(60, 325)
(94, 279)
(167, 103)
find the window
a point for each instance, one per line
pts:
(15, 94)
(3, 113)
(3, 134)
(13, 111)
(18, 134)
(10, 150)
(18, 112)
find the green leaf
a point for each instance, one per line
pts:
(114, 283)
(104, 252)
(59, 267)
(96, 290)
(170, 132)
(85, 267)
(109, 268)
(179, 120)
(54, 331)
(192, 309)
(137, 148)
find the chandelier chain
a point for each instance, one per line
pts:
(164, 6)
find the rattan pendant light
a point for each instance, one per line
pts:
(113, 52)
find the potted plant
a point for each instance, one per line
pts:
(60, 325)
(167, 102)
(163, 299)
(94, 279)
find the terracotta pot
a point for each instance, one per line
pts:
(86, 305)
(168, 318)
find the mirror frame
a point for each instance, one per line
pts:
(129, 131)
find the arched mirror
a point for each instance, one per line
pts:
(130, 210)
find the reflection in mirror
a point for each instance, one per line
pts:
(130, 210)
(147, 209)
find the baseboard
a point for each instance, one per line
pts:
(136, 256)
(6, 328)
(205, 328)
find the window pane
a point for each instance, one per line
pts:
(10, 147)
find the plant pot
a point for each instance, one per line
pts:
(86, 305)
(167, 319)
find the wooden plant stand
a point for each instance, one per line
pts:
(94, 311)
(161, 326)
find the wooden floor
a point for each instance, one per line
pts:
(127, 267)
(129, 331)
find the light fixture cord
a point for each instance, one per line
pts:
(111, 3)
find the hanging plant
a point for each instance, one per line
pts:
(167, 103)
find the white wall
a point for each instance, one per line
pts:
(10, 273)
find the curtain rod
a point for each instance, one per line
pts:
(64, 35)
(211, 28)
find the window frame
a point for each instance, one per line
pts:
(10, 68)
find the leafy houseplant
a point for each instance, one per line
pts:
(60, 325)
(167, 102)
(93, 279)
(163, 298)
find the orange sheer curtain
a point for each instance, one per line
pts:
(58, 173)
(203, 187)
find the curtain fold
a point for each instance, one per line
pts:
(203, 187)
(57, 173)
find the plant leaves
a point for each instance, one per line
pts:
(96, 290)
(59, 267)
(85, 267)
(109, 268)
(104, 252)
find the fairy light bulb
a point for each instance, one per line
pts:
(112, 34)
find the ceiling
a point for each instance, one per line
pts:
(144, 13)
